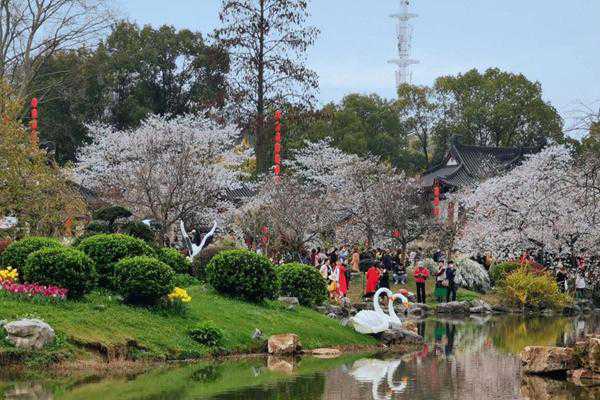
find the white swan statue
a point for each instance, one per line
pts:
(194, 250)
(377, 321)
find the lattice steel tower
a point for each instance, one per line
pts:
(405, 34)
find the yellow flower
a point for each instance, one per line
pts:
(179, 294)
(9, 274)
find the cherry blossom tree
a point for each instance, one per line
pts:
(167, 169)
(542, 204)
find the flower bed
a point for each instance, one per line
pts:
(32, 290)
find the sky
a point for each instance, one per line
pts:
(554, 42)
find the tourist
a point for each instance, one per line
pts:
(355, 260)
(340, 274)
(561, 277)
(373, 275)
(384, 280)
(451, 278)
(421, 274)
(580, 284)
(313, 258)
(325, 270)
(441, 283)
(344, 253)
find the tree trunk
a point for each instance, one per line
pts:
(262, 138)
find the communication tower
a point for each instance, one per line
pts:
(404, 36)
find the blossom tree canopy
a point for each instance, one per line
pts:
(166, 169)
(541, 204)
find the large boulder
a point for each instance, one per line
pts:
(326, 353)
(400, 336)
(593, 354)
(29, 334)
(454, 308)
(480, 307)
(540, 360)
(289, 301)
(287, 343)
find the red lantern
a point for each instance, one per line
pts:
(277, 170)
(277, 155)
(277, 148)
(436, 191)
(33, 137)
(277, 159)
(396, 234)
(264, 229)
(436, 202)
(34, 102)
(34, 113)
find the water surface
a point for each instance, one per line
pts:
(476, 358)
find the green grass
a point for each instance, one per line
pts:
(100, 319)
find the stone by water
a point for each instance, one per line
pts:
(470, 358)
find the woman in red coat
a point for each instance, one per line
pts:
(373, 275)
(341, 275)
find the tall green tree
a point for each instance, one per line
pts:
(496, 108)
(160, 71)
(421, 114)
(361, 125)
(267, 40)
(134, 72)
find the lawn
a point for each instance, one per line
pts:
(101, 319)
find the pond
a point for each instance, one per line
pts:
(476, 358)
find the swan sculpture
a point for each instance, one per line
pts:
(194, 250)
(377, 321)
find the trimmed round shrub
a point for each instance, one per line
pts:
(301, 281)
(242, 274)
(97, 227)
(201, 260)
(174, 259)
(499, 271)
(17, 252)
(143, 280)
(108, 249)
(207, 334)
(139, 230)
(63, 267)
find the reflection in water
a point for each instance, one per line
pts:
(461, 359)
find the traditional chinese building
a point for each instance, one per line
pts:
(466, 165)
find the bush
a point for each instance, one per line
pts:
(111, 213)
(63, 267)
(242, 274)
(97, 227)
(201, 261)
(16, 253)
(301, 281)
(139, 230)
(207, 334)
(143, 280)
(536, 291)
(108, 249)
(472, 275)
(499, 271)
(185, 281)
(174, 259)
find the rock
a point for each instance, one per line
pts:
(326, 353)
(538, 388)
(454, 307)
(410, 326)
(418, 309)
(282, 365)
(345, 321)
(479, 306)
(363, 306)
(500, 309)
(539, 360)
(341, 312)
(287, 343)
(321, 309)
(593, 354)
(400, 336)
(479, 310)
(29, 334)
(2, 323)
(257, 334)
(548, 313)
(571, 310)
(332, 315)
(581, 376)
(290, 301)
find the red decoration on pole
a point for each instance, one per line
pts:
(277, 156)
(436, 199)
(396, 234)
(33, 137)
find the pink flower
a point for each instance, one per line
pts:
(33, 289)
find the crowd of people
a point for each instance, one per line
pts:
(383, 269)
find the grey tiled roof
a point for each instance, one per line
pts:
(474, 163)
